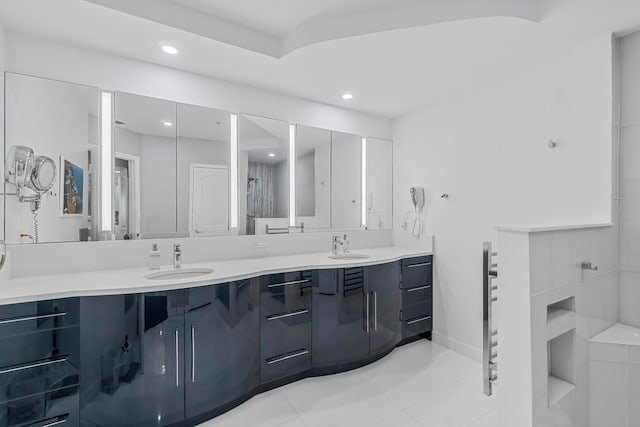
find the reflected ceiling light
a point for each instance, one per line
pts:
(167, 123)
(272, 155)
(347, 96)
(292, 175)
(169, 49)
(105, 159)
(233, 170)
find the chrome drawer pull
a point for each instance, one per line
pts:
(57, 422)
(421, 319)
(422, 264)
(282, 316)
(287, 357)
(193, 354)
(36, 317)
(419, 288)
(33, 365)
(177, 359)
(294, 282)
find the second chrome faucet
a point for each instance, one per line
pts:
(177, 255)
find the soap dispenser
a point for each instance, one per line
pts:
(154, 257)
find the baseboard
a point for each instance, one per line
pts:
(457, 346)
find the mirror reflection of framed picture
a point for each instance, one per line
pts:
(71, 189)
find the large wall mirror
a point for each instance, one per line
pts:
(313, 178)
(145, 167)
(52, 133)
(177, 170)
(379, 184)
(263, 175)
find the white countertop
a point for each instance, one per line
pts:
(132, 280)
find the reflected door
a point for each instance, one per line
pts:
(209, 204)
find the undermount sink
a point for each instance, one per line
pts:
(349, 256)
(179, 273)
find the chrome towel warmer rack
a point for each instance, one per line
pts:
(489, 333)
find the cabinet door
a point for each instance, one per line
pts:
(133, 359)
(340, 314)
(222, 352)
(386, 300)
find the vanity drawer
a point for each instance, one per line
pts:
(294, 282)
(417, 295)
(417, 272)
(415, 311)
(416, 326)
(277, 301)
(43, 410)
(31, 317)
(38, 363)
(285, 364)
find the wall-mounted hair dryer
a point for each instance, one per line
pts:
(417, 197)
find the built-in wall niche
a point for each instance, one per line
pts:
(561, 366)
(62, 122)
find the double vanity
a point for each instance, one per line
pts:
(123, 348)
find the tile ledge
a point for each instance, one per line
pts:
(542, 229)
(618, 334)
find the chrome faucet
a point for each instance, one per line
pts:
(340, 241)
(177, 255)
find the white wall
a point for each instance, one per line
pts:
(305, 185)
(64, 62)
(488, 151)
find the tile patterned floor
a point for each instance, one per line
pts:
(418, 385)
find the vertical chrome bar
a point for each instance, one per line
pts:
(177, 358)
(375, 310)
(367, 313)
(487, 330)
(193, 354)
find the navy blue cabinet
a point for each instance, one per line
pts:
(356, 314)
(133, 359)
(416, 314)
(285, 324)
(157, 359)
(39, 363)
(223, 345)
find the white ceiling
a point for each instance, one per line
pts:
(389, 72)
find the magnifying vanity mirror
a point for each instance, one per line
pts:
(263, 175)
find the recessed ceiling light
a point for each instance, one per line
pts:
(347, 96)
(272, 155)
(167, 123)
(169, 49)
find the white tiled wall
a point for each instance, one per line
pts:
(630, 179)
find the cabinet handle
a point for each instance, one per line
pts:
(38, 364)
(367, 313)
(287, 357)
(177, 359)
(421, 319)
(422, 264)
(293, 282)
(57, 421)
(35, 317)
(418, 288)
(375, 310)
(282, 316)
(193, 354)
